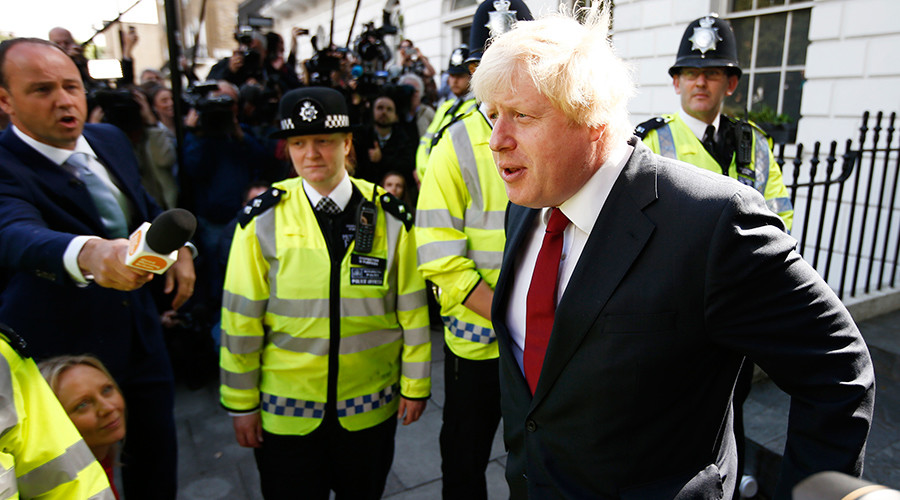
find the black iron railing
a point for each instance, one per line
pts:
(846, 212)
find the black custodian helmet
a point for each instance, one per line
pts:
(457, 65)
(492, 18)
(707, 42)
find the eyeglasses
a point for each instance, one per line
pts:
(711, 74)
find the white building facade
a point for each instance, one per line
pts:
(821, 62)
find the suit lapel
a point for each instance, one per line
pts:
(617, 239)
(520, 221)
(67, 191)
(112, 160)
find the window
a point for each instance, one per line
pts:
(772, 37)
(461, 4)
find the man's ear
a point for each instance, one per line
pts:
(677, 84)
(5, 101)
(597, 132)
(732, 84)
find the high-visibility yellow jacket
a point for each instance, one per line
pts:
(42, 454)
(442, 116)
(459, 230)
(674, 139)
(283, 303)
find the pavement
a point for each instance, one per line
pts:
(212, 466)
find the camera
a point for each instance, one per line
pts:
(216, 112)
(119, 108)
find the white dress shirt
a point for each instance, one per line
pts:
(582, 209)
(340, 194)
(698, 127)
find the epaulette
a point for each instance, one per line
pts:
(651, 124)
(398, 209)
(14, 340)
(259, 205)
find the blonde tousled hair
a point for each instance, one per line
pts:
(569, 58)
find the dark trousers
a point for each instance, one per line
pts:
(150, 452)
(471, 416)
(354, 465)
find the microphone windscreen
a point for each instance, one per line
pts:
(838, 486)
(171, 230)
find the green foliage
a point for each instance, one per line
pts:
(765, 114)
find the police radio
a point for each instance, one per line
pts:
(366, 216)
(744, 153)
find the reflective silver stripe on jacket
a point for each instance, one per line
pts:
(486, 259)
(416, 369)
(476, 215)
(416, 336)
(369, 402)
(9, 418)
(318, 308)
(761, 165)
(241, 305)
(469, 331)
(8, 486)
(666, 142)
(265, 233)
(240, 381)
(411, 301)
(289, 407)
(106, 494)
(438, 218)
(349, 345)
(779, 205)
(60, 470)
(440, 249)
(242, 344)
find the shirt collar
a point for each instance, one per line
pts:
(53, 153)
(340, 194)
(584, 207)
(698, 127)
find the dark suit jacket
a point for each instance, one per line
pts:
(684, 273)
(42, 207)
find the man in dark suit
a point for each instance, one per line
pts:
(69, 196)
(633, 285)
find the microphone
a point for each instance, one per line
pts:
(838, 486)
(154, 247)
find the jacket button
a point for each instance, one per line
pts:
(531, 426)
(125, 303)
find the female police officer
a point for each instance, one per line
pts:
(325, 323)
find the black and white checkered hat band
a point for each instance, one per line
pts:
(337, 121)
(331, 121)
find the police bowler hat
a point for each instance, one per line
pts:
(312, 110)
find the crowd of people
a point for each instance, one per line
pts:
(344, 210)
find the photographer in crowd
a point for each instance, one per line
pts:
(413, 61)
(221, 157)
(245, 63)
(130, 111)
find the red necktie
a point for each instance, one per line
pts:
(541, 303)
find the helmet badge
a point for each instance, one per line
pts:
(456, 58)
(706, 36)
(308, 112)
(501, 19)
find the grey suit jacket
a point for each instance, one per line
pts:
(684, 273)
